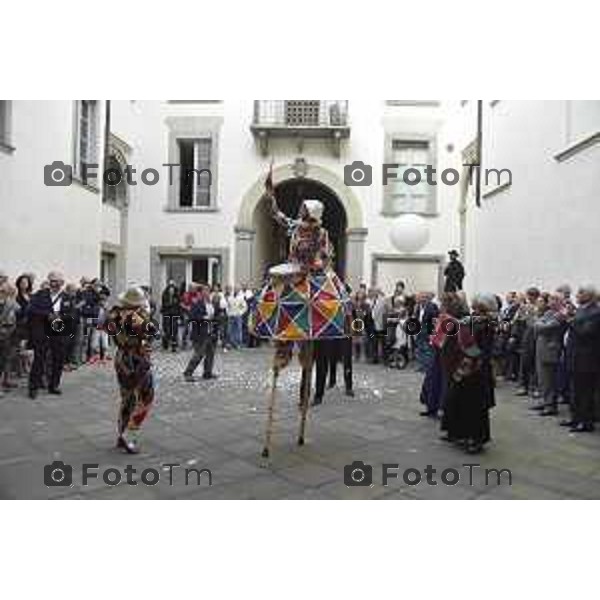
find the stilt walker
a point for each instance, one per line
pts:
(303, 302)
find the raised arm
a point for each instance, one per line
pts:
(279, 216)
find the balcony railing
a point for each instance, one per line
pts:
(300, 119)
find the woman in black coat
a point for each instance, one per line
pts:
(470, 378)
(24, 285)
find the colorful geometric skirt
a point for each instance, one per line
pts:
(301, 307)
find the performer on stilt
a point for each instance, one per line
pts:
(304, 300)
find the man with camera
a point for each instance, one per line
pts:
(50, 327)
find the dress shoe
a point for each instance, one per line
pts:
(568, 423)
(582, 428)
(33, 393)
(350, 393)
(55, 391)
(317, 400)
(537, 407)
(210, 376)
(427, 413)
(189, 378)
(331, 385)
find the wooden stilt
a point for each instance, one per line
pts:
(271, 409)
(306, 360)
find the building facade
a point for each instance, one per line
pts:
(536, 224)
(216, 226)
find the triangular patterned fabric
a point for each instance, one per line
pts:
(292, 332)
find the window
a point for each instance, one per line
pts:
(86, 151)
(403, 197)
(115, 194)
(302, 113)
(5, 106)
(195, 172)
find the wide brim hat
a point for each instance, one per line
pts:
(132, 298)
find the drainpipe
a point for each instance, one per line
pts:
(479, 145)
(106, 145)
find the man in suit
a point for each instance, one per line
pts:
(426, 312)
(327, 355)
(454, 273)
(523, 324)
(549, 331)
(325, 364)
(586, 359)
(50, 328)
(203, 335)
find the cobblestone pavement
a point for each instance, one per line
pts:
(218, 425)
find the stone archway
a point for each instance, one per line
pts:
(246, 245)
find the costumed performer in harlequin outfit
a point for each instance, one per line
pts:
(132, 330)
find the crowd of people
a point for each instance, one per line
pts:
(547, 343)
(49, 328)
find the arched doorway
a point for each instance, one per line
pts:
(258, 242)
(272, 242)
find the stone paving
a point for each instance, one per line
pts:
(218, 425)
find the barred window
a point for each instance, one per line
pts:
(302, 113)
(87, 134)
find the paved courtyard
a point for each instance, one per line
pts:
(218, 425)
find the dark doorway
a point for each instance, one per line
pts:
(271, 241)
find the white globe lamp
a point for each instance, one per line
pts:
(409, 233)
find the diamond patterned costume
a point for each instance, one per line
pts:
(304, 299)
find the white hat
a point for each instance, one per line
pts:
(314, 209)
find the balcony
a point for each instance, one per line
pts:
(300, 120)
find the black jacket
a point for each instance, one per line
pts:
(201, 327)
(585, 333)
(40, 310)
(171, 302)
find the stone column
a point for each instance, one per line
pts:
(355, 256)
(121, 267)
(244, 256)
